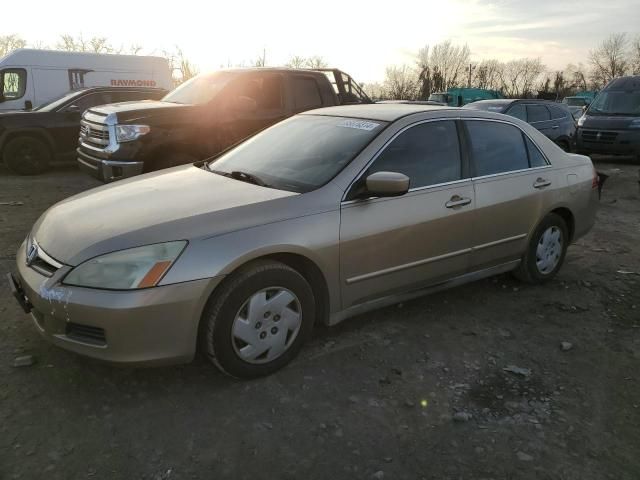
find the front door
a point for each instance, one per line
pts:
(510, 177)
(390, 245)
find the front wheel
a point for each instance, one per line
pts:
(259, 320)
(545, 252)
(27, 155)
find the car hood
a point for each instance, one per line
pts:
(127, 112)
(181, 203)
(608, 122)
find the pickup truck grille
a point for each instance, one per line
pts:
(94, 133)
(599, 136)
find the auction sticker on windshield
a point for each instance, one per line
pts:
(359, 124)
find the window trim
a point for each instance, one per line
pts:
(17, 70)
(464, 158)
(530, 168)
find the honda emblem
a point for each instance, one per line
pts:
(32, 254)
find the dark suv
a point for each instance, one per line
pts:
(551, 118)
(31, 140)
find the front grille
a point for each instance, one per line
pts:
(86, 334)
(95, 134)
(39, 260)
(599, 136)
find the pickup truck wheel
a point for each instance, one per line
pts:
(545, 252)
(173, 159)
(27, 155)
(258, 319)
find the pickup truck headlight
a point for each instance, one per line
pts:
(139, 267)
(581, 120)
(635, 123)
(128, 133)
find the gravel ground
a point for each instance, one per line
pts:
(472, 383)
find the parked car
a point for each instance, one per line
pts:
(611, 124)
(30, 78)
(551, 118)
(457, 97)
(30, 141)
(203, 117)
(325, 215)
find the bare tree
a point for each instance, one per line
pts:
(518, 77)
(576, 76)
(181, 68)
(8, 43)
(400, 83)
(635, 56)
(261, 60)
(487, 74)
(316, 61)
(375, 91)
(609, 59)
(296, 62)
(441, 67)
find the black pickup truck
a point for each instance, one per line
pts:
(31, 140)
(203, 117)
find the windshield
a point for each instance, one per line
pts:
(614, 102)
(52, 105)
(299, 154)
(200, 89)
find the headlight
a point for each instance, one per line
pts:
(128, 133)
(139, 267)
(635, 123)
(581, 120)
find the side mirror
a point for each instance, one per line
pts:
(244, 105)
(72, 109)
(387, 184)
(28, 106)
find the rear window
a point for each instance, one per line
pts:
(557, 112)
(306, 93)
(496, 147)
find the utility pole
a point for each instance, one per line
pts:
(471, 69)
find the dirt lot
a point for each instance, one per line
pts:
(413, 391)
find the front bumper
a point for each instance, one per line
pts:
(152, 326)
(107, 170)
(615, 142)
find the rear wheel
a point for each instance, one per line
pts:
(564, 145)
(258, 321)
(546, 251)
(27, 155)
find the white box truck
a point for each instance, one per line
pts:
(29, 78)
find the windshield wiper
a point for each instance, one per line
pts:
(241, 176)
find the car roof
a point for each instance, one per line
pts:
(624, 83)
(385, 112)
(112, 88)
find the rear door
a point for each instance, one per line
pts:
(390, 245)
(539, 117)
(510, 177)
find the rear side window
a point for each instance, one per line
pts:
(13, 82)
(428, 154)
(496, 147)
(306, 93)
(557, 112)
(536, 159)
(518, 111)
(537, 113)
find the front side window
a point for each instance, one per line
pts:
(496, 147)
(13, 82)
(518, 111)
(428, 154)
(557, 112)
(537, 113)
(299, 154)
(306, 94)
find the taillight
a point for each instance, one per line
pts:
(596, 181)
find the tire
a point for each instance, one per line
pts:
(535, 268)
(173, 159)
(27, 155)
(564, 145)
(269, 332)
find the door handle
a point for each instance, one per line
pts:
(457, 201)
(555, 126)
(541, 183)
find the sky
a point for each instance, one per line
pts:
(361, 38)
